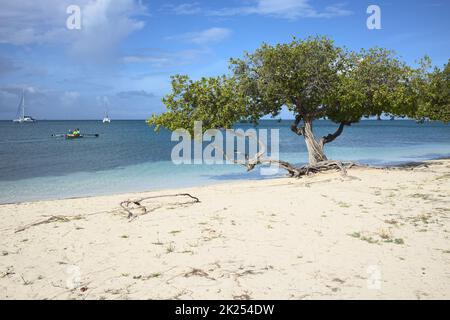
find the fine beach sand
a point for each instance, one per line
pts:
(382, 234)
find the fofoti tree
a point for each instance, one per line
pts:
(434, 95)
(313, 78)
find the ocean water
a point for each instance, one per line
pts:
(129, 156)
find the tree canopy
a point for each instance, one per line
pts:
(435, 95)
(214, 101)
(314, 79)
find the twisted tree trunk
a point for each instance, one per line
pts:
(315, 148)
(318, 160)
(316, 153)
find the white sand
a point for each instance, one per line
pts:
(375, 234)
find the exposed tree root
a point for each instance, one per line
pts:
(292, 170)
(341, 166)
(136, 205)
(326, 165)
(298, 172)
(323, 166)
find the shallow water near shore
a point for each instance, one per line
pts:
(129, 156)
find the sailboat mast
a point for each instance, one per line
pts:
(23, 103)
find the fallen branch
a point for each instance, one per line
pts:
(60, 218)
(49, 220)
(298, 172)
(129, 205)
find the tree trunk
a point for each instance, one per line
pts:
(315, 149)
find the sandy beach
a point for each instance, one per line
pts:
(376, 233)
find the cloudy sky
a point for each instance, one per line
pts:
(126, 50)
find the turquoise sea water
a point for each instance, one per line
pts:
(129, 156)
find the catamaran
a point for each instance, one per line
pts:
(106, 119)
(21, 117)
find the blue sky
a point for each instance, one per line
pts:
(126, 50)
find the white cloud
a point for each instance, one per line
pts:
(72, 95)
(8, 65)
(284, 9)
(104, 23)
(18, 88)
(183, 9)
(164, 59)
(204, 37)
(68, 98)
(28, 21)
(135, 93)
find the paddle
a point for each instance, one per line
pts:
(94, 135)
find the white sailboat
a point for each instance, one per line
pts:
(106, 119)
(21, 117)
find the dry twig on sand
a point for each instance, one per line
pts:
(136, 205)
(49, 220)
(59, 218)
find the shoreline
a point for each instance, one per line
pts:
(279, 238)
(231, 181)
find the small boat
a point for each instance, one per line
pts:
(21, 117)
(106, 119)
(24, 119)
(71, 136)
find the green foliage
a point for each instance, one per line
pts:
(374, 82)
(434, 95)
(212, 100)
(302, 75)
(313, 78)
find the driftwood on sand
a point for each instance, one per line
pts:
(135, 208)
(49, 220)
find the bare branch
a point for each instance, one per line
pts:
(330, 137)
(49, 220)
(136, 205)
(294, 127)
(319, 111)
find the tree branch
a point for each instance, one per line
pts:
(136, 205)
(330, 137)
(319, 110)
(294, 126)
